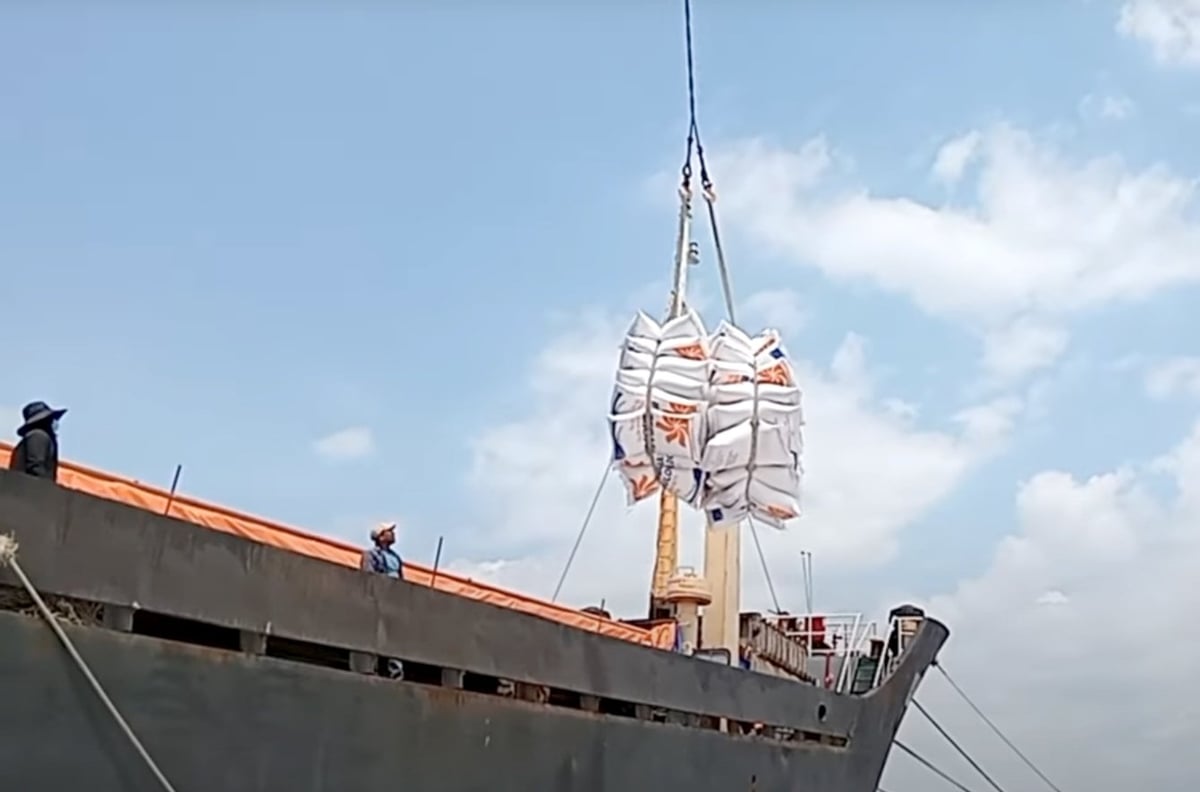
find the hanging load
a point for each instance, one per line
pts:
(754, 421)
(658, 408)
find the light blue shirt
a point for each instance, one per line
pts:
(385, 561)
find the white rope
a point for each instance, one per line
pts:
(8, 557)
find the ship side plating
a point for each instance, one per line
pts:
(235, 718)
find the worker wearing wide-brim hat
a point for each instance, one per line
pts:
(36, 453)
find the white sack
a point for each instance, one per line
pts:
(658, 411)
(749, 469)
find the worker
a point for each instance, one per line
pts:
(36, 453)
(381, 559)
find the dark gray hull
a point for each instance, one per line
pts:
(232, 720)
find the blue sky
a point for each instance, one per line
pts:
(257, 221)
(227, 233)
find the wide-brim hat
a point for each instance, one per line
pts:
(37, 412)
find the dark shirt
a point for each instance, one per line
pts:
(36, 455)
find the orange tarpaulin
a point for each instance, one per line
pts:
(219, 518)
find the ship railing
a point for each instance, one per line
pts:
(841, 639)
(825, 633)
(764, 639)
(864, 635)
(887, 660)
(854, 646)
(903, 628)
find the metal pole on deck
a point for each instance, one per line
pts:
(171, 494)
(437, 559)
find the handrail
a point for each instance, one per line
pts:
(849, 655)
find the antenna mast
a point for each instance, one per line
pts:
(686, 252)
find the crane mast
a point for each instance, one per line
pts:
(666, 558)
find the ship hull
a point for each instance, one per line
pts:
(215, 649)
(223, 721)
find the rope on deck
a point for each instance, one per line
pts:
(8, 557)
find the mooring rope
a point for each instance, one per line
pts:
(8, 557)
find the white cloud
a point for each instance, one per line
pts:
(870, 473)
(1110, 107)
(1047, 235)
(1082, 632)
(901, 409)
(781, 309)
(1174, 377)
(350, 443)
(1035, 237)
(1171, 28)
(1053, 597)
(954, 156)
(1023, 346)
(991, 422)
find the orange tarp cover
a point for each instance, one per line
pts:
(219, 518)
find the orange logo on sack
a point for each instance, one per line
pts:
(776, 375)
(675, 430)
(644, 486)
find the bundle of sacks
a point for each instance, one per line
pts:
(752, 449)
(715, 420)
(658, 407)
